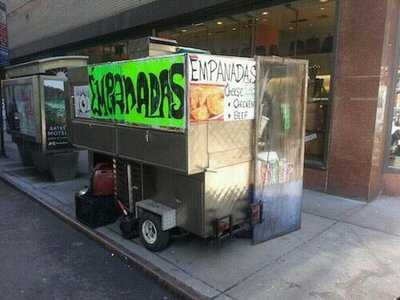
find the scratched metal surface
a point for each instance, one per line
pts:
(217, 144)
(224, 151)
(281, 94)
(227, 192)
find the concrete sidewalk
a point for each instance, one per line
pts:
(344, 250)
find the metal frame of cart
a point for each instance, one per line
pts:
(199, 178)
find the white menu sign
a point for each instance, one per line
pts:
(221, 87)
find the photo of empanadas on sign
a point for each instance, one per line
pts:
(206, 102)
(221, 88)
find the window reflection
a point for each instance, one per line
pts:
(394, 151)
(304, 29)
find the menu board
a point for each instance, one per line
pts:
(147, 92)
(221, 88)
(54, 98)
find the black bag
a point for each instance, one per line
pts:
(96, 211)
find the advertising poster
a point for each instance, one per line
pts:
(81, 101)
(221, 88)
(23, 109)
(55, 114)
(147, 92)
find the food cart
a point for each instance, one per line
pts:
(35, 109)
(208, 144)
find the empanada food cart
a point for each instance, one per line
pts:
(35, 108)
(204, 143)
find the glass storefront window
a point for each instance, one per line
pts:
(394, 141)
(302, 29)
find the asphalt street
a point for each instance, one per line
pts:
(41, 257)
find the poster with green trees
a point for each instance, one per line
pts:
(54, 99)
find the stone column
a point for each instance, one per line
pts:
(366, 37)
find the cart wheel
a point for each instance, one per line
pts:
(151, 233)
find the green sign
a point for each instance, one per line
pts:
(144, 92)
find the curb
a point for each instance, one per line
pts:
(147, 267)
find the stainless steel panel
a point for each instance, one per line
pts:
(168, 214)
(164, 183)
(158, 50)
(189, 192)
(197, 148)
(94, 137)
(281, 93)
(225, 136)
(122, 186)
(216, 144)
(200, 199)
(227, 192)
(228, 158)
(183, 193)
(161, 148)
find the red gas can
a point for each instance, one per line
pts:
(103, 180)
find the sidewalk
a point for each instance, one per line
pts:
(345, 249)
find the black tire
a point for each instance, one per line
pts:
(161, 238)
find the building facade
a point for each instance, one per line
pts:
(353, 108)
